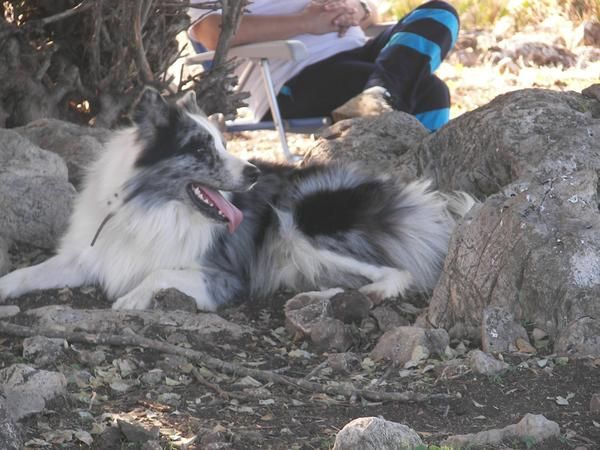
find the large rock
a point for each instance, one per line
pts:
(373, 433)
(525, 134)
(533, 250)
(18, 156)
(35, 195)
(77, 145)
(378, 143)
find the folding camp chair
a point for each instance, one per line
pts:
(260, 54)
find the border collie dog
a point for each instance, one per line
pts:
(165, 206)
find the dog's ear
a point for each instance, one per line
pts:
(150, 108)
(189, 103)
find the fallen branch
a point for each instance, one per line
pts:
(229, 368)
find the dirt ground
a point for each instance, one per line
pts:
(242, 413)
(228, 411)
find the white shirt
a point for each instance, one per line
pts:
(319, 47)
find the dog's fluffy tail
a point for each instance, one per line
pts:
(458, 203)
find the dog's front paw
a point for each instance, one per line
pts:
(133, 300)
(9, 286)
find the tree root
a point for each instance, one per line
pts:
(229, 368)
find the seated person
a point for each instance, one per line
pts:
(397, 65)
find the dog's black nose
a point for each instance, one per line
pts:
(251, 173)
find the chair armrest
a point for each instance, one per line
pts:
(288, 50)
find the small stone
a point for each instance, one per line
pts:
(524, 346)
(304, 310)
(173, 365)
(595, 403)
(542, 362)
(388, 318)
(170, 398)
(331, 334)
(410, 344)
(153, 377)
(461, 349)
(137, 433)
(499, 331)
(92, 359)
(350, 306)
(373, 433)
(126, 366)
(172, 300)
(343, 362)
(486, 364)
(80, 378)
(177, 339)
(539, 334)
(536, 427)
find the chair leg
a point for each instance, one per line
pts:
(266, 74)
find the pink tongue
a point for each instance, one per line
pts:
(234, 215)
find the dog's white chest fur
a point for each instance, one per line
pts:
(133, 243)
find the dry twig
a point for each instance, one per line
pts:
(217, 364)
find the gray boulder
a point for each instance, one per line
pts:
(525, 134)
(35, 195)
(77, 145)
(377, 143)
(534, 250)
(373, 433)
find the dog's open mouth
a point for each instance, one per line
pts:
(213, 204)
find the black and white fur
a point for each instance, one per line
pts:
(307, 228)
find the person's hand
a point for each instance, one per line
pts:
(352, 16)
(325, 17)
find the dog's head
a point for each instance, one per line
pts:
(183, 158)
